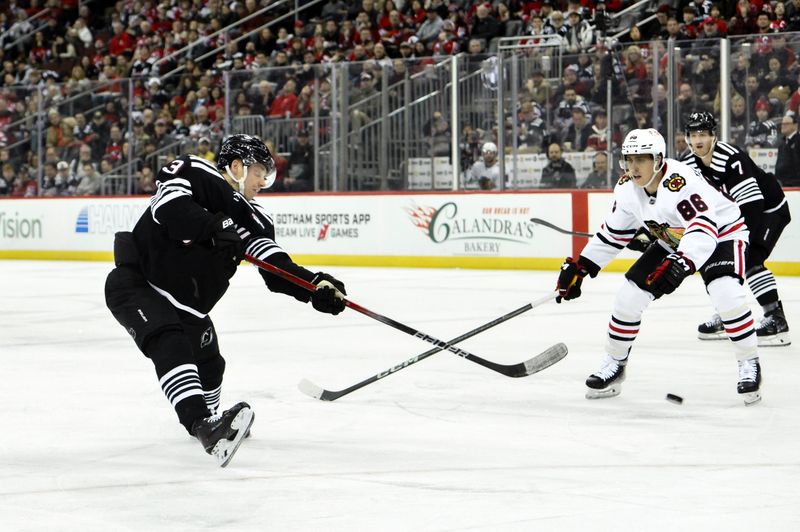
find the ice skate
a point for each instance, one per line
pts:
(713, 329)
(773, 331)
(749, 381)
(222, 434)
(607, 382)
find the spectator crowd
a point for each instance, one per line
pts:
(89, 91)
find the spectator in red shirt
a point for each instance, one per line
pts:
(285, 102)
(121, 42)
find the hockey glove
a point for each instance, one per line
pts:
(670, 274)
(329, 295)
(641, 240)
(570, 279)
(225, 241)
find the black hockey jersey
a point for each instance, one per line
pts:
(175, 260)
(733, 171)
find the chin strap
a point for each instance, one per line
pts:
(241, 181)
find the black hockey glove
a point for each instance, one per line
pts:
(641, 240)
(329, 295)
(570, 279)
(670, 274)
(225, 241)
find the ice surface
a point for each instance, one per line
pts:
(89, 443)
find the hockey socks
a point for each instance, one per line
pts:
(178, 377)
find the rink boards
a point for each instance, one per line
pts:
(441, 229)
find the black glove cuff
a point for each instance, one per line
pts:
(592, 268)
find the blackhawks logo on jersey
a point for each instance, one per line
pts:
(623, 179)
(669, 235)
(675, 182)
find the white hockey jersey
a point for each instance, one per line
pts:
(686, 214)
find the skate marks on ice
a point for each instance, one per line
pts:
(443, 446)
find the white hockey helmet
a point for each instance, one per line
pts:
(489, 147)
(644, 142)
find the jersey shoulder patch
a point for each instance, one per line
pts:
(623, 179)
(675, 182)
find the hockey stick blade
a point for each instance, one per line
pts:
(546, 358)
(545, 223)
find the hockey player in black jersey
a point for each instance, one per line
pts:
(765, 210)
(176, 264)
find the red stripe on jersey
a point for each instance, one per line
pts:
(732, 229)
(704, 226)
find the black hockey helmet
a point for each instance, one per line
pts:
(248, 149)
(700, 121)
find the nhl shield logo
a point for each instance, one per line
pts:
(207, 338)
(675, 183)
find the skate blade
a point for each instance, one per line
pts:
(778, 340)
(611, 391)
(751, 398)
(224, 450)
(712, 336)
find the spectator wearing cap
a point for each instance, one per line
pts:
(762, 133)
(406, 50)
(580, 35)
(485, 172)
(788, 162)
(204, 149)
(430, 29)
(66, 181)
(558, 173)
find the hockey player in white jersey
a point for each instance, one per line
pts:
(698, 229)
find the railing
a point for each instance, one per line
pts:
(421, 124)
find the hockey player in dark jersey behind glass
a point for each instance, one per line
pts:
(698, 229)
(176, 264)
(765, 210)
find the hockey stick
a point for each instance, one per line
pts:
(541, 361)
(641, 240)
(509, 371)
(557, 228)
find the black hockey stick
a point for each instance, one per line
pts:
(640, 241)
(509, 371)
(557, 228)
(541, 361)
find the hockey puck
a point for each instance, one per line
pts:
(672, 398)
